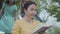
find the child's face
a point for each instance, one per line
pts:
(11, 1)
(31, 11)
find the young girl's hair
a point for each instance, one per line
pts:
(26, 5)
(1, 3)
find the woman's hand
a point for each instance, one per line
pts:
(42, 30)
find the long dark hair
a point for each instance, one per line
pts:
(1, 3)
(7, 2)
(26, 5)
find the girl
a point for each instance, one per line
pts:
(26, 25)
(7, 20)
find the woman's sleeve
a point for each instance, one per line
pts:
(16, 29)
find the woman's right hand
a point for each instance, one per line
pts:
(42, 30)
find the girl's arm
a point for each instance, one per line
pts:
(15, 15)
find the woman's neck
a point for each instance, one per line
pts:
(28, 19)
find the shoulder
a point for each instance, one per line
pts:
(19, 21)
(15, 6)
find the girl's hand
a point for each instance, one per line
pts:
(42, 30)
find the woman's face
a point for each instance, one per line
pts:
(31, 11)
(11, 1)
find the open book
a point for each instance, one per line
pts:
(42, 27)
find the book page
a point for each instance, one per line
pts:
(41, 25)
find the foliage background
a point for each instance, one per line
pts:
(51, 6)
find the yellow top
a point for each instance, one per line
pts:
(22, 27)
